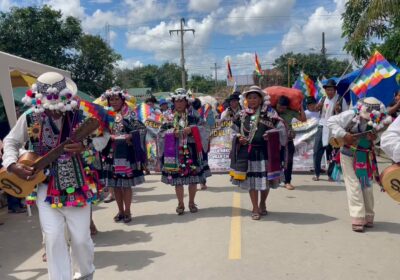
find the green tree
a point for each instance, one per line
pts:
(314, 65)
(166, 77)
(92, 65)
(40, 34)
(366, 22)
(203, 84)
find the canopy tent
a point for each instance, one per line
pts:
(8, 64)
(384, 91)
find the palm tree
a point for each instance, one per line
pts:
(369, 23)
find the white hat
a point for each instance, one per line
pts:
(116, 90)
(254, 89)
(52, 91)
(368, 105)
(374, 111)
(181, 93)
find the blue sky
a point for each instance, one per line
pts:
(233, 29)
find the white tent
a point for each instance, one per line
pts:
(9, 63)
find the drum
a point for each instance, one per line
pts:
(390, 179)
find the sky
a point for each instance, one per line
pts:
(234, 29)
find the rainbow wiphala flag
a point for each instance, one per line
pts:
(259, 70)
(306, 85)
(375, 70)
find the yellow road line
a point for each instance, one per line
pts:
(235, 244)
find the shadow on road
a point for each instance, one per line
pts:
(125, 260)
(224, 189)
(324, 188)
(144, 189)
(120, 237)
(386, 227)
(39, 272)
(297, 218)
(165, 219)
(153, 197)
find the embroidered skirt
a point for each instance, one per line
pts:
(199, 177)
(118, 181)
(257, 174)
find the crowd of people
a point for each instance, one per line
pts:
(114, 157)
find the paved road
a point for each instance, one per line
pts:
(306, 235)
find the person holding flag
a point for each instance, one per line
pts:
(328, 107)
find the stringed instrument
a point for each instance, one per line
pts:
(338, 142)
(390, 179)
(18, 187)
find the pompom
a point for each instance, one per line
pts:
(74, 103)
(46, 106)
(39, 96)
(60, 105)
(68, 107)
(64, 92)
(34, 87)
(52, 107)
(370, 123)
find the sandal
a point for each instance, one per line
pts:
(315, 178)
(193, 208)
(127, 218)
(119, 217)
(180, 210)
(44, 257)
(369, 225)
(357, 228)
(255, 216)
(93, 231)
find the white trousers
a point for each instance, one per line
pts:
(54, 224)
(360, 200)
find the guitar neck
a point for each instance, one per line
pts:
(51, 156)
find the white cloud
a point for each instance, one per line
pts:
(100, 1)
(5, 5)
(99, 19)
(129, 63)
(203, 5)
(68, 7)
(149, 10)
(308, 37)
(167, 47)
(257, 17)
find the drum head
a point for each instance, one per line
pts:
(391, 181)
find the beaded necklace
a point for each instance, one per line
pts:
(254, 119)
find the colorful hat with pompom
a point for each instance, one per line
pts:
(52, 91)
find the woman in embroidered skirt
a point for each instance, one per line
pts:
(253, 167)
(182, 140)
(125, 154)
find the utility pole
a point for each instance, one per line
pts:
(182, 32)
(323, 52)
(215, 68)
(290, 62)
(107, 31)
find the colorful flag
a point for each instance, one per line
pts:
(259, 70)
(229, 70)
(306, 85)
(320, 90)
(375, 70)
